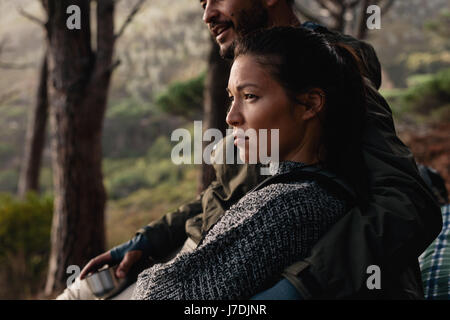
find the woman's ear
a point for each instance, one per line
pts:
(314, 101)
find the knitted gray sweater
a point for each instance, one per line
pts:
(259, 236)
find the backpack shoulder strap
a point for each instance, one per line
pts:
(325, 178)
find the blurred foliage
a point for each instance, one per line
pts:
(24, 244)
(126, 215)
(12, 133)
(160, 150)
(419, 79)
(9, 179)
(141, 181)
(435, 56)
(430, 94)
(440, 28)
(46, 180)
(184, 98)
(126, 181)
(132, 126)
(418, 41)
(166, 42)
(427, 97)
(142, 189)
(5, 150)
(125, 176)
(426, 62)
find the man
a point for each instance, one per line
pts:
(435, 260)
(401, 220)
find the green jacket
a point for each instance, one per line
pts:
(401, 220)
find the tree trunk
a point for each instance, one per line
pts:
(215, 104)
(35, 138)
(340, 23)
(80, 82)
(361, 32)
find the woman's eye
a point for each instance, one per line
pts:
(250, 96)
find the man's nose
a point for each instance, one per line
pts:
(210, 12)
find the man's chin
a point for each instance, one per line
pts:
(227, 50)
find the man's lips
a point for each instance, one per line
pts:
(218, 29)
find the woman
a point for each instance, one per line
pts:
(292, 80)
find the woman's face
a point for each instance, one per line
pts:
(259, 102)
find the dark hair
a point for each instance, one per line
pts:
(300, 59)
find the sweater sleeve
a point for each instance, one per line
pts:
(247, 247)
(168, 233)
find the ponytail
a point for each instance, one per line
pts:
(348, 118)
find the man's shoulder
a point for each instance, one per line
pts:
(441, 245)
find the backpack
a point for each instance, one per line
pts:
(324, 178)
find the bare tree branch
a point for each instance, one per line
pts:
(307, 14)
(21, 66)
(15, 66)
(330, 6)
(31, 17)
(361, 28)
(387, 5)
(114, 65)
(352, 4)
(8, 95)
(338, 9)
(130, 17)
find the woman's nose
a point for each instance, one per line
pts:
(234, 116)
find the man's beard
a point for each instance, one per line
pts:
(247, 21)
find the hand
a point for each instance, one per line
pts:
(129, 260)
(95, 264)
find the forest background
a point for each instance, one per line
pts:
(158, 87)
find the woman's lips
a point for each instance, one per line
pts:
(240, 141)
